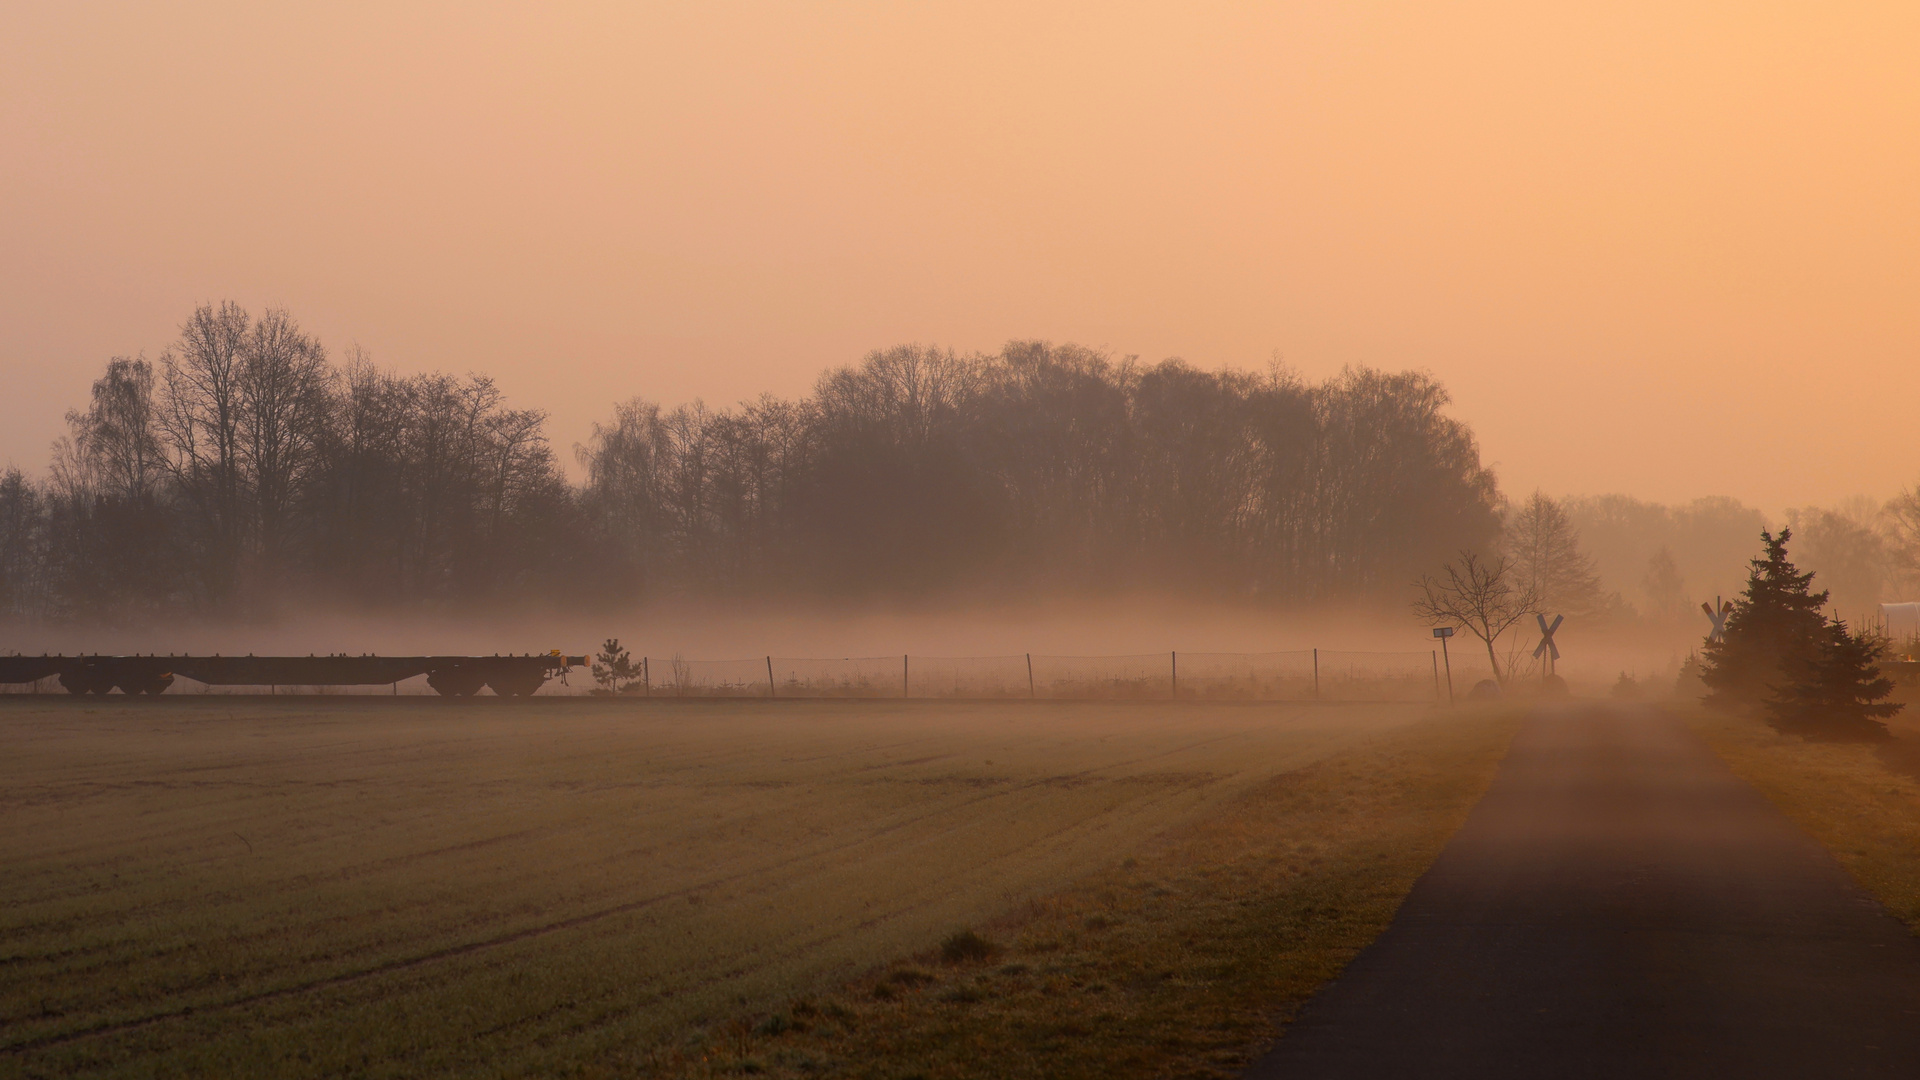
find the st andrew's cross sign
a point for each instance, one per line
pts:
(1546, 647)
(1717, 613)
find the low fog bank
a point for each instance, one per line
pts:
(247, 492)
(1594, 652)
(736, 630)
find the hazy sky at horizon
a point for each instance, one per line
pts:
(1670, 249)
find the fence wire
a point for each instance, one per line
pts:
(1298, 675)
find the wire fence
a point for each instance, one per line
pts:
(1298, 675)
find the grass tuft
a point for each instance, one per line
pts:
(963, 946)
(773, 1025)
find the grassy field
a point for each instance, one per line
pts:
(1861, 800)
(351, 886)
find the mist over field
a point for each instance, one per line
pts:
(1040, 540)
(246, 492)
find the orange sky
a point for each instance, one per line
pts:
(1665, 248)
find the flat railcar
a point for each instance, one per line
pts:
(452, 676)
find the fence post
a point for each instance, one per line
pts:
(770, 676)
(1175, 695)
(1316, 674)
(1029, 674)
(646, 675)
(906, 688)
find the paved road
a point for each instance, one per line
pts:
(1620, 905)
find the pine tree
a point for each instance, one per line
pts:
(1837, 692)
(614, 668)
(1776, 624)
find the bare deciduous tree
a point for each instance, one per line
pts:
(1545, 551)
(1851, 555)
(1485, 596)
(114, 447)
(23, 548)
(1901, 522)
(199, 417)
(283, 400)
(1665, 588)
(913, 473)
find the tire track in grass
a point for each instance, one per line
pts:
(768, 956)
(468, 948)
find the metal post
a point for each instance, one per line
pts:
(770, 676)
(1449, 662)
(1316, 674)
(646, 676)
(1176, 675)
(1029, 674)
(1435, 656)
(906, 688)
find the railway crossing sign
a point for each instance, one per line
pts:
(1546, 646)
(1717, 611)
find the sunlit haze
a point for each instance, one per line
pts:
(1669, 249)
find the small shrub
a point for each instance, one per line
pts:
(777, 1024)
(910, 977)
(964, 945)
(882, 992)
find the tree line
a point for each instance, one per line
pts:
(246, 468)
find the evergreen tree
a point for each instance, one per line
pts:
(1836, 692)
(614, 669)
(1775, 625)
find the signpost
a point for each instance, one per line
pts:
(1717, 613)
(1443, 633)
(1547, 648)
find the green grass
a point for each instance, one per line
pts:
(340, 886)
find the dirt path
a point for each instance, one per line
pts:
(1620, 904)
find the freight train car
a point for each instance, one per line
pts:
(453, 676)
